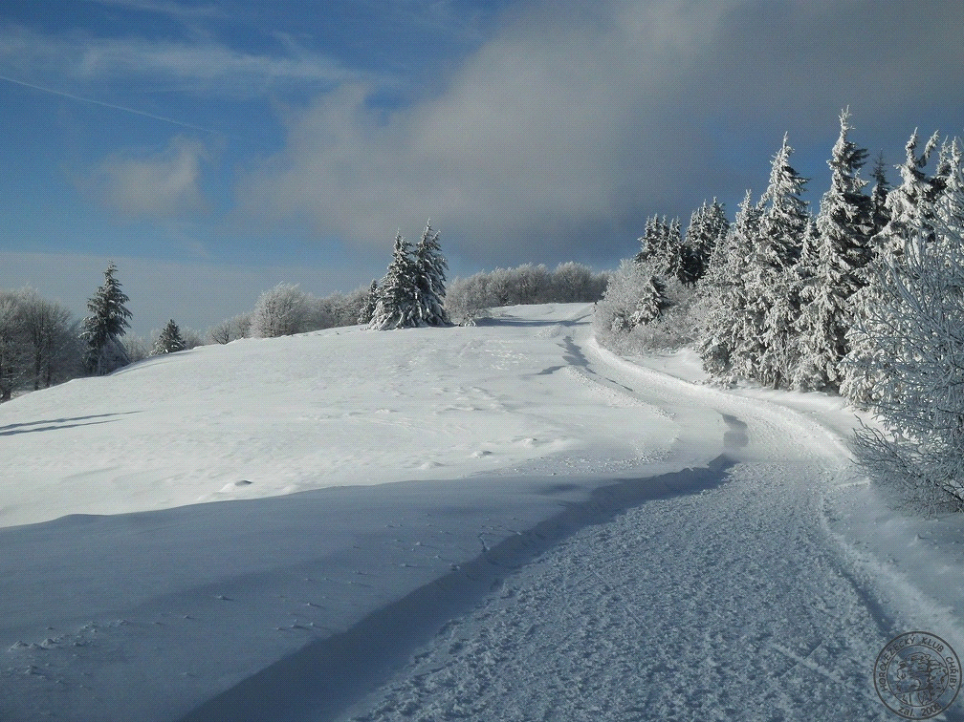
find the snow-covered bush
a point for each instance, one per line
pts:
(912, 343)
(282, 311)
(640, 312)
(231, 329)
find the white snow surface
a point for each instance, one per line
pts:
(499, 522)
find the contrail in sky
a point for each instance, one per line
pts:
(101, 103)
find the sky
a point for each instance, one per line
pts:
(213, 149)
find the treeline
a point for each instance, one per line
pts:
(864, 298)
(414, 291)
(473, 297)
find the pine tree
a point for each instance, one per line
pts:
(878, 196)
(708, 227)
(368, 309)
(169, 340)
(724, 287)
(651, 304)
(397, 305)
(768, 342)
(911, 213)
(107, 322)
(844, 228)
(662, 247)
(430, 267)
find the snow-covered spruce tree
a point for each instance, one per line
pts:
(430, 267)
(910, 210)
(768, 344)
(916, 332)
(833, 274)
(106, 324)
(722, 291)
(662, 247)
(397, 305)
(708, 227)
(368, 309)
(169, 340)
(878, 196)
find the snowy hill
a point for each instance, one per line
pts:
(498, 522)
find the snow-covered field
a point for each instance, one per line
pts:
(502, 522)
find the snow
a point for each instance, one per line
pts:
(500, 522)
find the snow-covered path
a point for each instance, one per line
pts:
(583, 538)
(727, 605)
(733, 603)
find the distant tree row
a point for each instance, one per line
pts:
(864, 299)
(42, 345)
(473, 297)
(413, 292)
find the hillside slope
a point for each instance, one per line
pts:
(501, 522)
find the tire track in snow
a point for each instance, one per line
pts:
(731, 604)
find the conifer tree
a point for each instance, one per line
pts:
(878, 196)
(708, 227)
(429, 268)
(397, 305)
(106, 324)
(368, 309)
(662, 246)
(911, 212)
(724, 287)
(767, 352)
(169, 340)
(844, 227)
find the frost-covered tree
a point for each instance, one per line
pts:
(833, 274)
(768, 341)
(368, 309)
(397, 305)
(911, 210)
(429, 267)
(169, 340)
(878, 196)
(723, 289)
(913, 340)
(50, 333)
(661, 246)
(231, 329)
(14, 357)
(282, 311)
(107, 322)
(708, 227)
(635, 297)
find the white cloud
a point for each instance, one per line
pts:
(577, 119)
(164, 185)
(78, 58)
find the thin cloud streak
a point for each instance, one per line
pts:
(136, 62)
(112, 106)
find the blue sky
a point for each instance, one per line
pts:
(213, 149)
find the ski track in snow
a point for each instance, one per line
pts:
(734, 603)
(720, 566)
